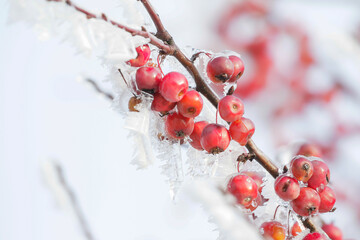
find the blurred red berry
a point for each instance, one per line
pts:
(308, 150)
(333, 232)
(296, 229)
(273, 230)
(314, 236)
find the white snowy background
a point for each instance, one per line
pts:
(46, 114)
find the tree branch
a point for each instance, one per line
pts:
(134, 32)
(204, 89)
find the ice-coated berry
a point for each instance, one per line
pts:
(307, 203)
(296, 229)
(301, 168)
(196, 134)
(321, 175)
(242, 130)
(238, 68)
(215, 138)
(178, 126)
(142, 57)
(160, 104)
(314, 236)
(174, 86)
(243, 188)
(287, 188)
(148, 79)
(327, 199)
(273, 230)
(231, 108)
(191, 104)
(220, 69)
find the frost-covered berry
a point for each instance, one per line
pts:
(196, 134)
(314, 236)
(243, 188)
(148, 79)
(332, 231)
(302, 169)
(133, 102)
(191, 104)
(174, 86)
(307, 203)
(327, 199)
(287, 188)
(321, 175)
(178, 126)
(242, 130)
(273, 230)
(296, 229)
(238, 68)
(160, 104)
(231, 108)
(309, 150)
(215, 138)
(142, 57)
(220, 69)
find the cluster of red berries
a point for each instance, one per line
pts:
(313, 198)
(172, 90)
(305, 187)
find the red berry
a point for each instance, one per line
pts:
(242, 130)
(321, 175)
(287, 188)
(314, 236)
(307, 203)
(178, 126)
(220, 69)
(238, 68)
(174, 86)
(302, 169)
(148, 79)
(243, 188)
(196, 134)
(308, 150)
(142, 57)
(273, 230)
(215, 138)
(296, 229)
(160, 104)
(328, 199)
(231, 108)
(256, 177)
(332, 231)
(191, 104)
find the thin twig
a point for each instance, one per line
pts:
(99, 90)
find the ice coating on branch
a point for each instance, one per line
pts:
(232, 223)
(88, 36)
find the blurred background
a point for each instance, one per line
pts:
(301, 84)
